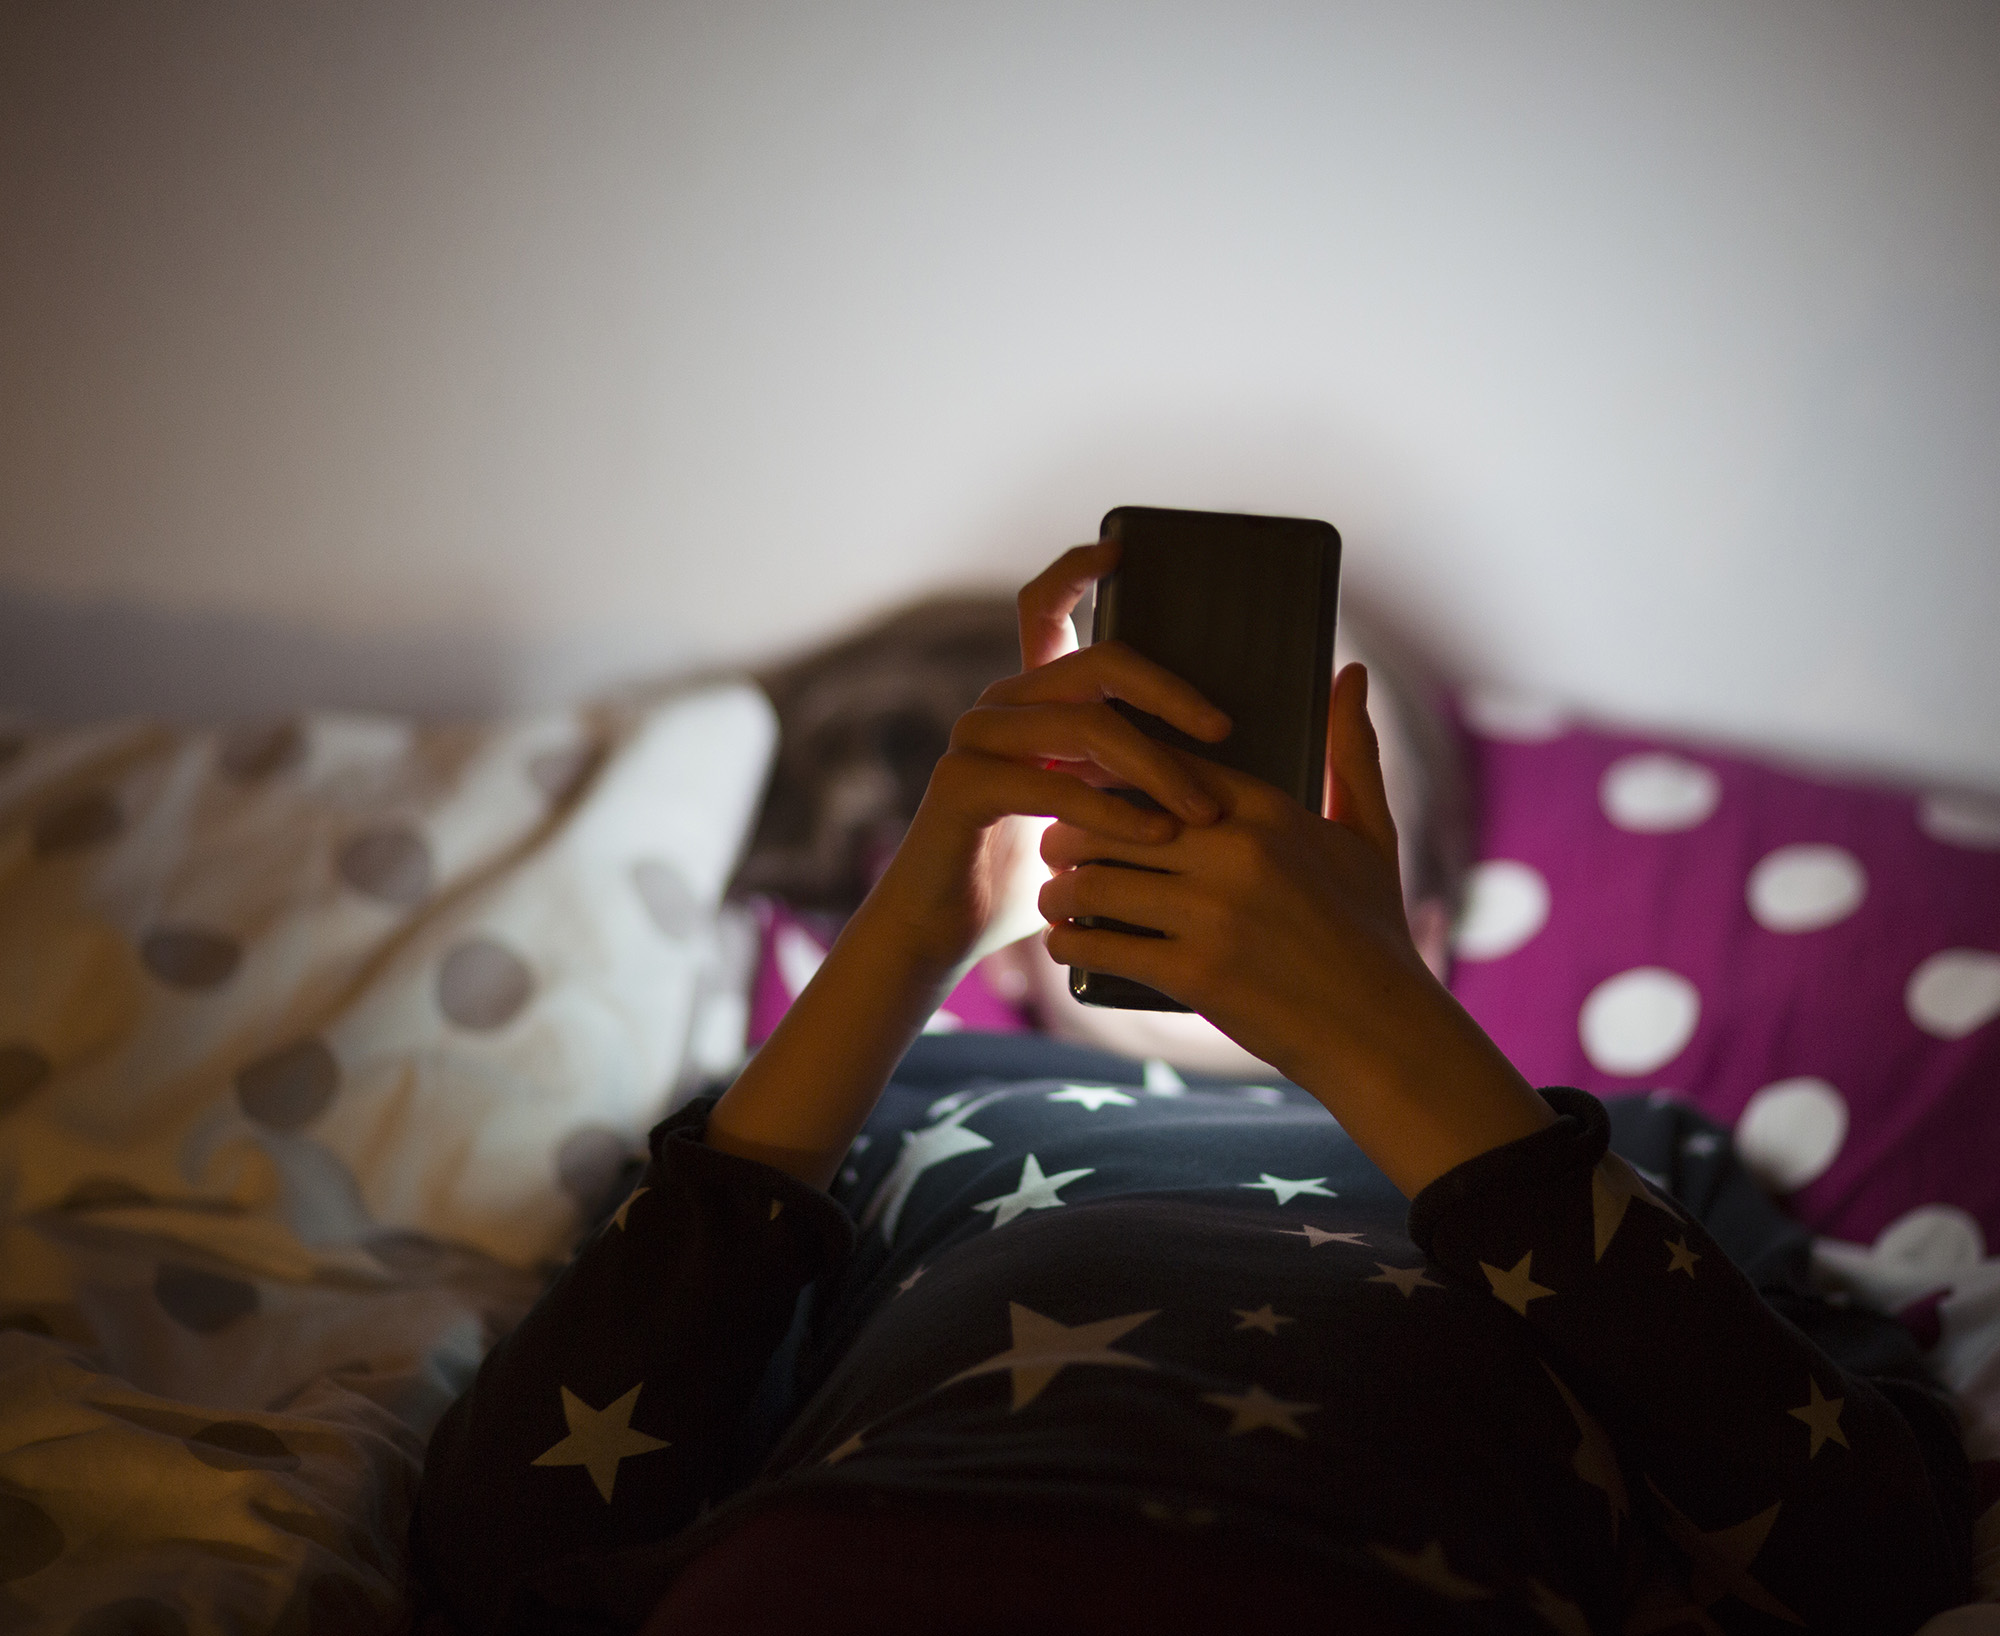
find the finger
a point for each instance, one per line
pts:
(1235, 794)
(1117, 954)
(1111, 670)
(992, 788)
(1354, 765)
(1089, 733)
(1139, 897)
(1070, 846)
(1047, 600)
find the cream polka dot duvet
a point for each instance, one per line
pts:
(317, 1042)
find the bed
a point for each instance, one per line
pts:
(320, 1041)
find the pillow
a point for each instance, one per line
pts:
(314, 988)
(1813, 961)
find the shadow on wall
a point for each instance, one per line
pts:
(64, 660)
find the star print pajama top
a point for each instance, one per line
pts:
(1560, 1391)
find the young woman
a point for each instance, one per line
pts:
(1399, 1345)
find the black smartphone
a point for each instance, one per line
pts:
(1243, 608)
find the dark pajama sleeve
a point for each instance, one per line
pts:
(1793, 1491)
(612, 1413)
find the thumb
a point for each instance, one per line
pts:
(1355, 794)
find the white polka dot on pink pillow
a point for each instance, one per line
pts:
(1506, 903)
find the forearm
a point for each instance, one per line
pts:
(799, 1102)
(1433, 1092)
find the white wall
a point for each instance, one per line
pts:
(1645, 353)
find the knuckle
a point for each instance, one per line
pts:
(972, 726)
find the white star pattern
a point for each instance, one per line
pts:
(1558, 1612)
(922, 1149)
(1614, 1184)
(1516, 1285)
(1408, 1280)
(1316, 1236)
(1161, 1080)
(1822, 1415)
(1263, 1318)
(1258, 1410)
(1034, 1192)
(1595, 1461)
(1094, 1097)
(599, 1438)
(631, 1199)
(1719, 1559)
(1431, 1569)
(1043, 1349)
(1284, 1192)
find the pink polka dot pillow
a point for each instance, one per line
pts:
(1814, 962)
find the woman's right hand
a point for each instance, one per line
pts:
(1045, 743)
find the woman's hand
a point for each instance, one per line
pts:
(1287, 931)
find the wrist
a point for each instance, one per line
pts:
(1426, 1091)
(926, 910)
(799, 1101)
(906, 933)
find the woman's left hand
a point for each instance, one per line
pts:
(1287, 931)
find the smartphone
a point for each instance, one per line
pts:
(1243, 608)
